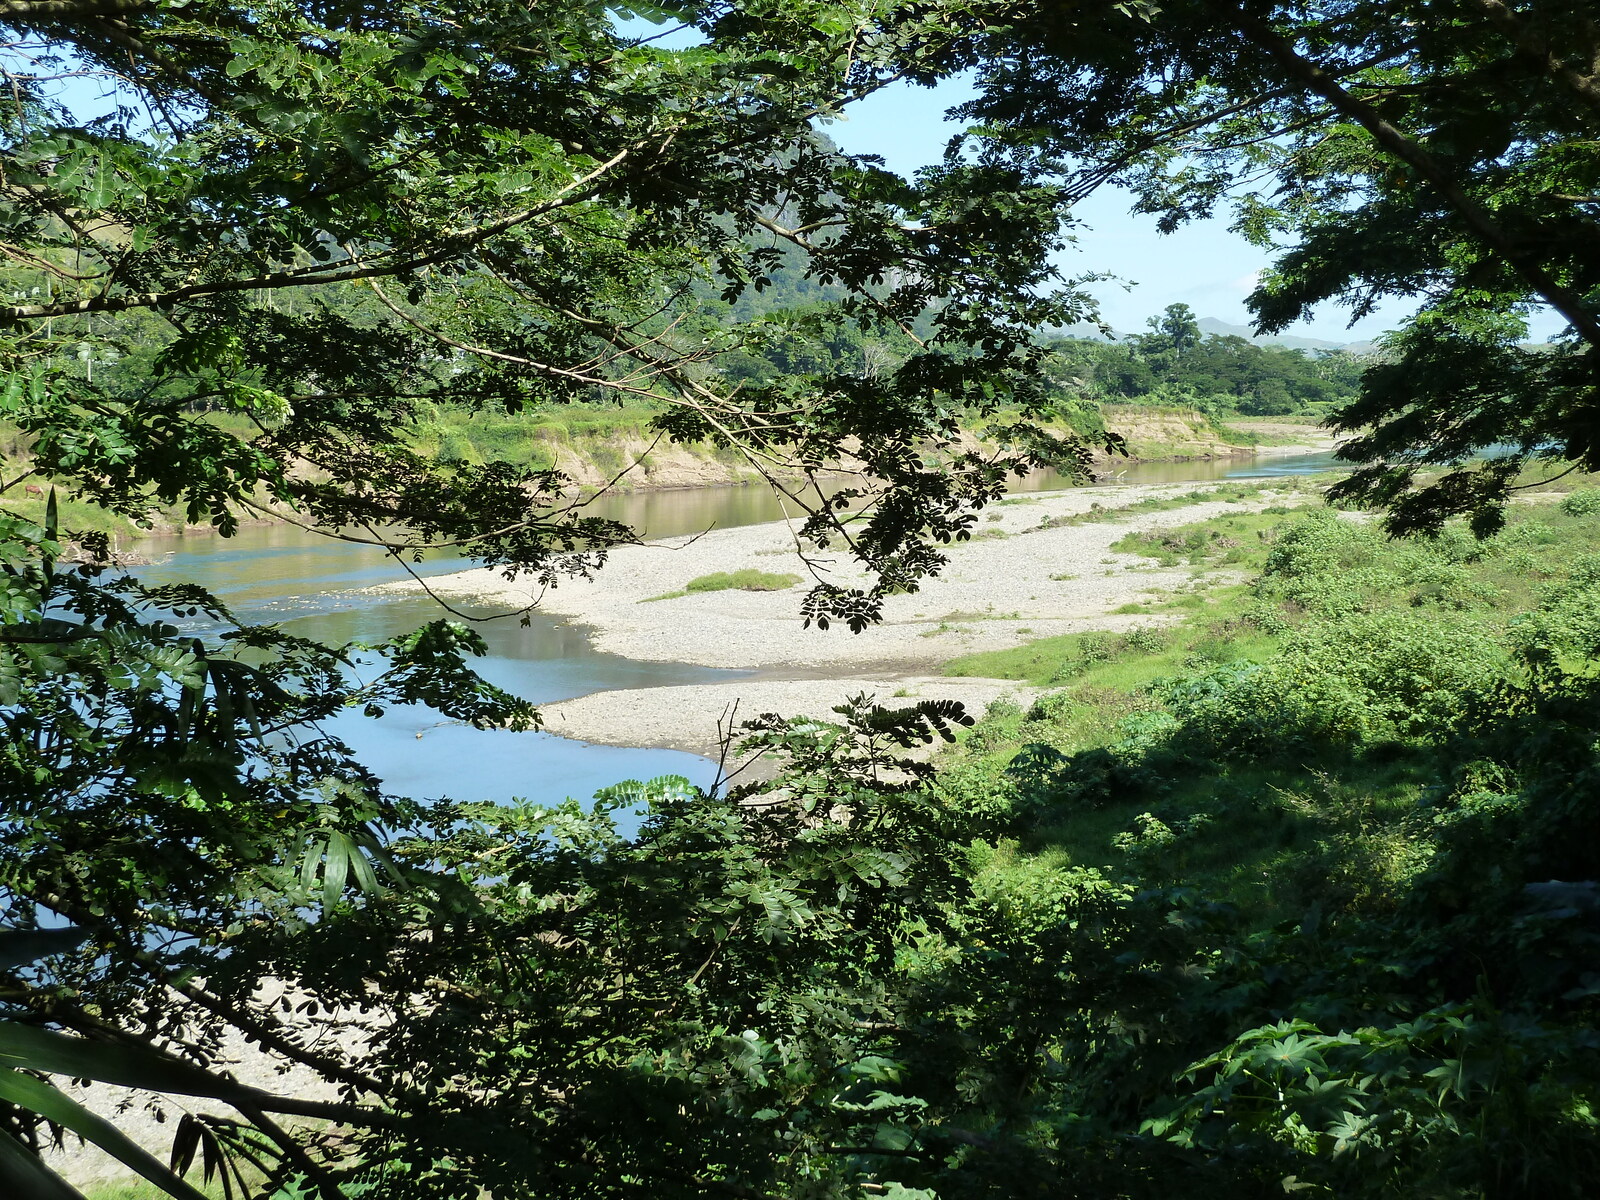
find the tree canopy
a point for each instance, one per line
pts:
(1436, 151)
(323, 217)
(1175, 363)
(841, 982)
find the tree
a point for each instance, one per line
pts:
(1436, 151)
(301, 223)
(1176, 328)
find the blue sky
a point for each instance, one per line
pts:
(1203, 264)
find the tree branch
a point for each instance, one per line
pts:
(1584, 87)
(54, 10)
(1398, 145)
(453, 242)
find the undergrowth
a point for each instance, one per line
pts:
(1269, 742)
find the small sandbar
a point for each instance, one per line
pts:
(697, 717)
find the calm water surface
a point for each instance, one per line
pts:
(315, 587)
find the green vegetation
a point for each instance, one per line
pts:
(1175, 364)
(1230, 493)
(75, 514)
(149, 1191)
(348, 265)
(1326, 779)
(1581, 504)
(747, 580)
(1295, 895)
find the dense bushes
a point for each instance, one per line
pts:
(1584, 503)
(1340, 682)
(1370, 845)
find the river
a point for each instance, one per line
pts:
(317, 587)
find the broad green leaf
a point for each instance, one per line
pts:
(19, 947)
(27, 1047)
(49, 1102)
(22, 1175)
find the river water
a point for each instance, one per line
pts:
(316, 587)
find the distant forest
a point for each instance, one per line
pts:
(792, 326)
(1176, 363)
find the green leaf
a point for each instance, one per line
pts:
(54, 1105)
(336, 867)
(19, 947)
(23, 1175)
(30, 1048)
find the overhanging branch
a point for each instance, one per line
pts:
(1391, 139)
(55, 10)
(454, 242)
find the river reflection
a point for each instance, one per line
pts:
(316, 587)
(659, 514)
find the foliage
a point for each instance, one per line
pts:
(1219, 374)
(298, 236)
(1581, 504)
(1397, 148)
(1320, 919)
(746, 580)
(1393, 998)
(533, 257)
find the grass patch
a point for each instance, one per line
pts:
(747, 580)
(1241, 539)
(73, 515)
(139, 1189)
(1098, 660)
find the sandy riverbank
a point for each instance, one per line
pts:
(1022, 577)
(1288, 437)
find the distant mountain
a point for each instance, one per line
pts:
(1084, 331)
(1223, 329)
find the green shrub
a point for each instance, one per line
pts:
(1568, 618)
(456, 447)
(1250, 711)
(1052, 706)
(1004, 708)
(1093, 778)
(1456, 544)
(1581, 504)
(747, 580)
(1015, 893)
(1341, 683)
(1148, 639)
(1450, 585)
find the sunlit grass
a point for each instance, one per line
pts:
(1330, 830)
(747, 580)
